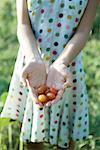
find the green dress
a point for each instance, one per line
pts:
(54, 23)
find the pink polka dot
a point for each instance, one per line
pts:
(67, 27)
(47, 112)
(17, 115)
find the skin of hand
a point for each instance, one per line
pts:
(33, 75)
(59, 77)
(28, 43)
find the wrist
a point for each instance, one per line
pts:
(34, 57)
(61, 61)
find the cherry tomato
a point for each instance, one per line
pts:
(53, 90)
(50, 95)
(42, 98)
(42, 89)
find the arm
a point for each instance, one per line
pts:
(80, 38)
(24, 32)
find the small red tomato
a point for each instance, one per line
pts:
(42, 98)
(50, 96)
(42, 89)
(53, 90)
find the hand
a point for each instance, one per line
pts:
(33, 75)
(60, 78)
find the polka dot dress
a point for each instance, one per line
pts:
(54, 23)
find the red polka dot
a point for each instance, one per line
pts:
(54, 52)
(41, 116)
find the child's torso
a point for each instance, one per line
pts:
(54, 22)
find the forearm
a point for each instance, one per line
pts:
(78, 41)
(28, 42)
(73, 48)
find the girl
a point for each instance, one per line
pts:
(51, 34)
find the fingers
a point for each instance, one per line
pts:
(23, 78)
(48, 104)
(67, 85)
(33, 93)
(58, 97)
(23, 82)
(69, 81)
(39, 103)
(48, 83)
(34, 96)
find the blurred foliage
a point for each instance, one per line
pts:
(9, 130)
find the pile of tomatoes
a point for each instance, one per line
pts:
(46, 93)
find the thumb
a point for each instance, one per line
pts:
(69, 79)
(68, 83)
(23, 78)
(33, 94)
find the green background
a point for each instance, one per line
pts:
(8, 52)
